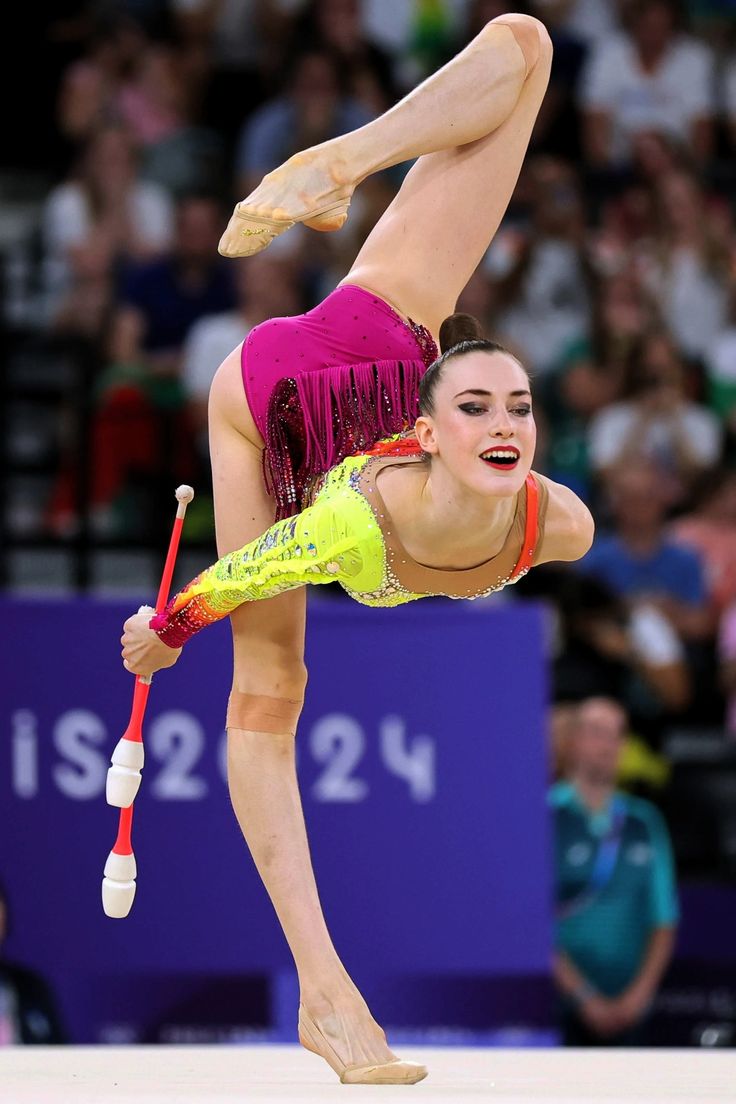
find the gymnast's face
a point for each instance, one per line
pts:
(482, 428)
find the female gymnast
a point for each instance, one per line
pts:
(450, 507)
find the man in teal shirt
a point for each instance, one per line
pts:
(616, 900)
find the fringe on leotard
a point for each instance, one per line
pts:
(318, 418)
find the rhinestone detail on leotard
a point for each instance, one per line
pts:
(315, 420)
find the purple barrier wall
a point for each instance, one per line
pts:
(423, 772)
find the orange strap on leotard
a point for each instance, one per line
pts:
(531, 529)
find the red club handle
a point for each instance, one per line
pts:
(141, 690)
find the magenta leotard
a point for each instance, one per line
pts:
(329, 383)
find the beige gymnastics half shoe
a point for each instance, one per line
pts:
(395, 1072)
(248, 233)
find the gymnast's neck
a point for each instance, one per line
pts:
(440, 522)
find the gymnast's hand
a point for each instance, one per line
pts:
(144, 652)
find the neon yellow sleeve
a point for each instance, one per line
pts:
(316, 546)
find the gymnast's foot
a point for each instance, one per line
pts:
(353, 1044)
(314, 187)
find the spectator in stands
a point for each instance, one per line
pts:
(104, 214)
(166, 297)
(575, 393)
(337, 27)
(593, 21)
(311, 110)
(673, 240)
(686, 265)
(624, 314)
(152, 101)
(264, 288)
(242, 46)
(90, 85)
(561, 721)
(161, 102)
(606, 647)
(640, 562)
(591, 375)
(557, 129)
(541, 273)
(141, 422)
(658, 155)
(711, 530)
(627, 225)
(648, 78)
(81, 313)
(140, 433)
(657, 422)
(28, 1012)
(615, 892)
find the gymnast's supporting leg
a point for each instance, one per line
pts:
(265, 795)
(268, 683)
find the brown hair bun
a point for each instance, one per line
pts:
(459, 327)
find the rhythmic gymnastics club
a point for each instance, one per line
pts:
(124, 776)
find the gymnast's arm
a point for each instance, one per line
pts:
(317, 546)
(568, 526)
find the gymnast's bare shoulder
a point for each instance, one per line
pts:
(568, 525)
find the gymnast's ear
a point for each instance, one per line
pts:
(424, 429)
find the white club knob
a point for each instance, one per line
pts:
(184, 496)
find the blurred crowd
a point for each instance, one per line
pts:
(613, 277)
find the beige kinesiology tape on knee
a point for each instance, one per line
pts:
(526, 34)
(259, 713)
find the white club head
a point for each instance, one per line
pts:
(118, 884)
(117, 898)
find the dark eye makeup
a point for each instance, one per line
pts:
(475, 409)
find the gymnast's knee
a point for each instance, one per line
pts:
(272, 703)
(531, 35)
(263, 713)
